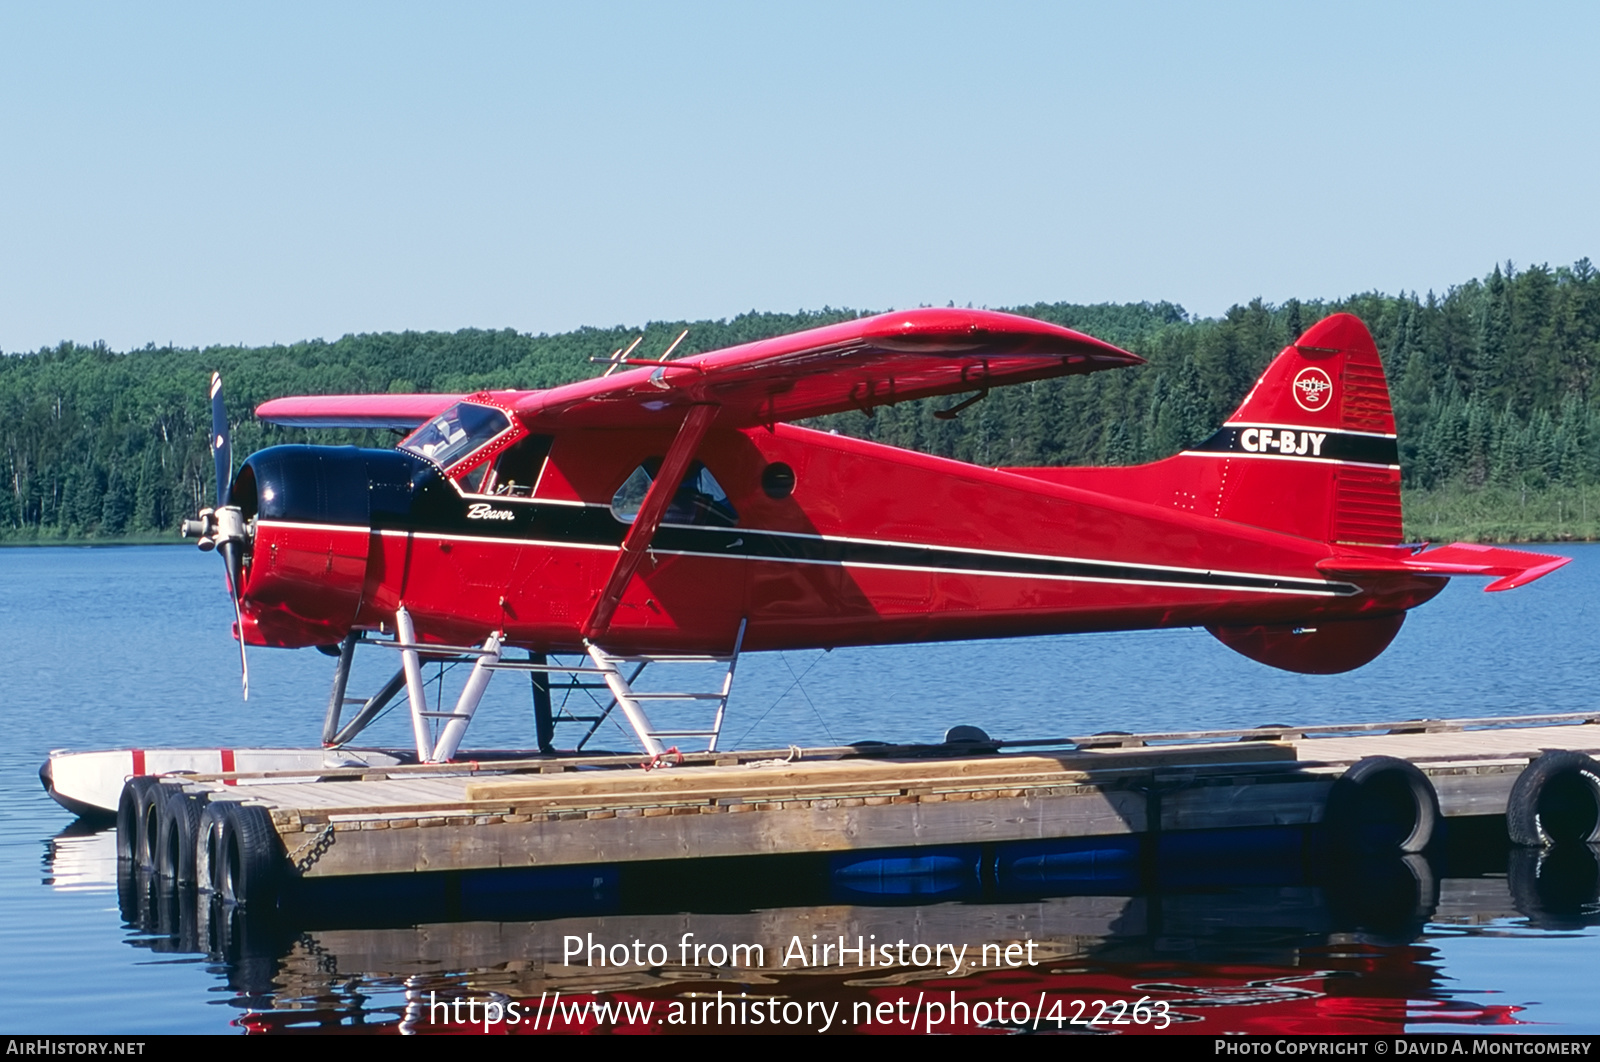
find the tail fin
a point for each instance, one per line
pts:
(1311, 451)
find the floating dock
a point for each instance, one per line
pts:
(1035, 805)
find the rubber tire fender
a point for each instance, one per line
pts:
(1368, 785)
(175, 838)
(131, 804)
(1525, 823)
(249, 856)
(206, 835)
(151, 810)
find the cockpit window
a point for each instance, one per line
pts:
(456, 432)
(700, 499)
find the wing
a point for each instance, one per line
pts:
(861, 364)
(354, 411)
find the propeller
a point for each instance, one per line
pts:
(221, 445)
(222, 528)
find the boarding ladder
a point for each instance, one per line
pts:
(616, 676)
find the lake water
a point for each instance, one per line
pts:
(102, 648)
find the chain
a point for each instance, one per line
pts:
(303, 857)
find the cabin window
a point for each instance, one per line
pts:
(455, 433)
(700, 499)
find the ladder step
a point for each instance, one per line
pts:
(676, 696)
(445, 715)
(523, 665)
(440, 650)
(653, 659)
(682, 733)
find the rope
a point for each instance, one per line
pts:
(655, 762)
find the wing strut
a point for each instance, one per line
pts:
(656, 500)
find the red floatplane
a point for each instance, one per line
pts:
(669, 509)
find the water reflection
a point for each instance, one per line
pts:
(1278, 944)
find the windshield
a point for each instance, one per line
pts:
(455, 433)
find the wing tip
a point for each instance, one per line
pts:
(1528, 575)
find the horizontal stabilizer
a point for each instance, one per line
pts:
(1514, 567)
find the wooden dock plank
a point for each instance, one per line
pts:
(423, 790)
(329, 796)
(1526, 742)
(997, 770)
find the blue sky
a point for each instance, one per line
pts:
(203, 173)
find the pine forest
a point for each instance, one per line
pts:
(1494, 385)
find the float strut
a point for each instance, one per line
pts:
(544, 723)
(411, 663)
(341, 679)
(467, 704)
(369, 711)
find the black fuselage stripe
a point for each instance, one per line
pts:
(592, 526)
(759, 546)
(1303, 443)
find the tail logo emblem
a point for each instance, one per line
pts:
(1313, 390)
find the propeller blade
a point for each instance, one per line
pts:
(229, 546)
(221, 445)
(244, 665)
(228, 549)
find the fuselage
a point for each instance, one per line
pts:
(811, 539)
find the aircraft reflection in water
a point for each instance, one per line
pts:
(1257, 944)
